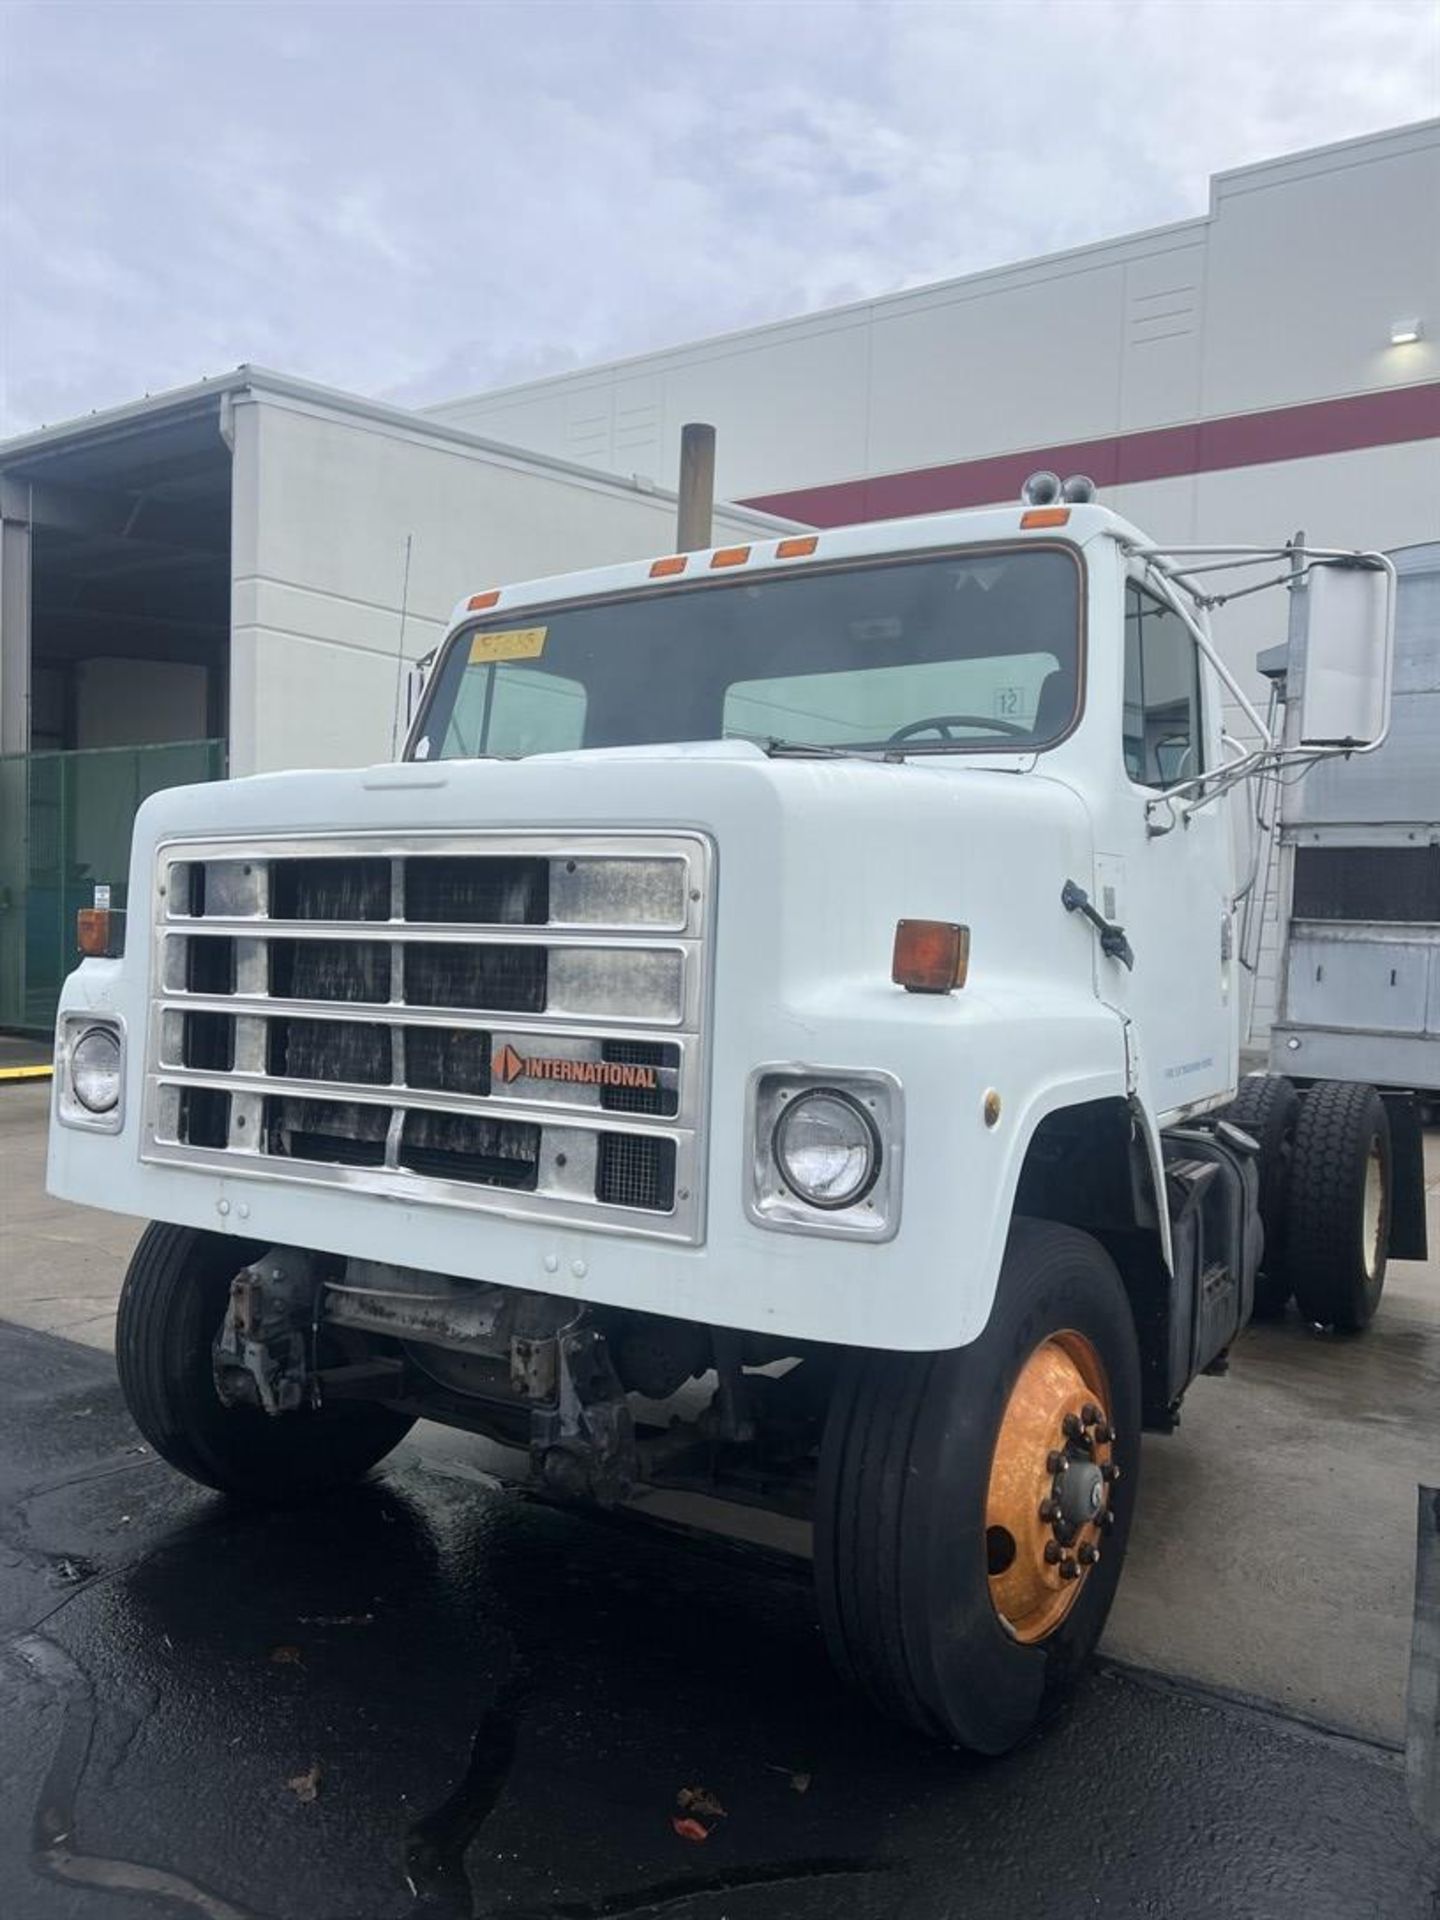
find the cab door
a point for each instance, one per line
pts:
(1165, 869)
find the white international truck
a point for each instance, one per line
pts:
(774, 1034)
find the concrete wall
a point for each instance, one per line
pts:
(324, 502)
(1283, 293)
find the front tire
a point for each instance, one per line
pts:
(940, 1534)
(1340, 1204)
(171, 1307)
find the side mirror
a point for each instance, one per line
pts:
(1347, 619)
(415, 683)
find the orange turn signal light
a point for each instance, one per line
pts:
(478, 602)
(1045, 517)
(674, 563)
(100, 933)
(729, 556)
(931, 956)
(797, 547)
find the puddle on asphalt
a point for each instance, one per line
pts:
(396, 1607)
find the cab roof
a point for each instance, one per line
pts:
(1075, 525)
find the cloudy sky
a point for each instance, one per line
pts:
(421, 200)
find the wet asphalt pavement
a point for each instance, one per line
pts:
(434, 1696)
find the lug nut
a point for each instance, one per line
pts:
(1057, 1462)
(1110, 1472)
(1107, 1520)
(1089, 1555)
(1069, 1570)
(1049, 1509)
(1053, 1555)
(1089, 1414)
(1105, 1434)
(1070, 1426)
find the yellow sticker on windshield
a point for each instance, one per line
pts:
(516, 643)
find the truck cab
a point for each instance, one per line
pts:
(773, 1035)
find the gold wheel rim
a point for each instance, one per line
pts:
(1047, 1509)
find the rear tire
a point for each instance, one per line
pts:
(1268, 1108)
(171, 1307)
(908, 1567)
(1340, 1204)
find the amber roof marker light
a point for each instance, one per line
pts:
(930, 956)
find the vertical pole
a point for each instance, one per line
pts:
(15, 768)
(1422, 1708)
(697, 487)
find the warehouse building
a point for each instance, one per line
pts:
(1269, 367)
(235, 578)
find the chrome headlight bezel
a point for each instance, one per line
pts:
(73, 1029)
(873, 1212)
(864, 1133)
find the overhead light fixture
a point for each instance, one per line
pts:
(1404, 332)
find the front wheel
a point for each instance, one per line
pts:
(171, 1307)
(973, 1506)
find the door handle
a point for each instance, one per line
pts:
(1113, 943)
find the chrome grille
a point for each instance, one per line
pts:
(511, 1022)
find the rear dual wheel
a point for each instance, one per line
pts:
(1267, 1107)
(1340, 1205)
(973, 1506)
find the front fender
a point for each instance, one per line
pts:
(938, 1277)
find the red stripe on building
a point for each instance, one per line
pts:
(1207, 446)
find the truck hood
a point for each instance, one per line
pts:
(818, 858)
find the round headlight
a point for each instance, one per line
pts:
(827, 1149)
(95, 1069)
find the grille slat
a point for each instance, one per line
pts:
(477, 893)
(330, 890)
(330, 970)
(329, 1050)
(329, 964)
(444, 1060)
(505, 979)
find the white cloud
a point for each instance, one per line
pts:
(424, 200)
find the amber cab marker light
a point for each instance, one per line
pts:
(797, 548)
(729, 556)
(931, 956)
(674, 563)
(478, 602)
(1045, 517)
(100, 933)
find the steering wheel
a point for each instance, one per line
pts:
(944, 723)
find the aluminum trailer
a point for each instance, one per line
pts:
(1358, 880)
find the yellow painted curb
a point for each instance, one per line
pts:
(26, 1073)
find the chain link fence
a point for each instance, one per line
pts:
(65, 825)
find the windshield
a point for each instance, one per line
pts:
(964, 652)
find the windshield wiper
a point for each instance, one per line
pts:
(775, 748)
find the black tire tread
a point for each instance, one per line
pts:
(170, 1307)
(873, 1514)
(1266, 1105)
(867, 1498)
(1337, 1121)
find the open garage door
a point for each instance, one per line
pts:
(114, 664)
